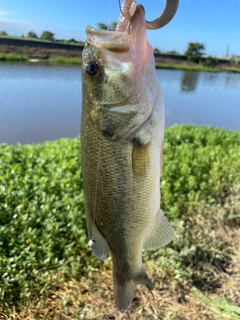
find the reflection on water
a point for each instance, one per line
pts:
(189, 81)
(201, 98)
(221, 81)
(232, 82)
(39, 103)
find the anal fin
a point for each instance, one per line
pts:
(161, 234)
(100, 248)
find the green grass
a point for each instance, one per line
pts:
(199, 68)
(42, 224)
(220, 306)
(13, 57)
(62, 60)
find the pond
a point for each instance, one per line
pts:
(40, 102)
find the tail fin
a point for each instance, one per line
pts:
(124, 290)
(124, 294)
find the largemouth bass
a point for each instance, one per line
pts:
(122, 134)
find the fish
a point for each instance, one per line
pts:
(122, 134)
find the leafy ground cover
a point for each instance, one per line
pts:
(47, 271)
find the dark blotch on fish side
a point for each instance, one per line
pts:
(107, 134)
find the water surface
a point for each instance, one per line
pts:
(202, 98)
(39, 103)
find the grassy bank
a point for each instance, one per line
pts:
(58, 60)
(62, 60)
(197, 67)
(48, 272)
(10, 57)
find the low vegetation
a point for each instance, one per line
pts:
(48, 272)
(63, 60)
(198, 67)
(13, 57)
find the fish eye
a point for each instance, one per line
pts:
(93, 69)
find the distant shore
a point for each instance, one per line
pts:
(58, 60)
(35, 51)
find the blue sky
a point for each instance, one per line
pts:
(216, 23)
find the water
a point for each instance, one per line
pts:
(202, 98)
(39, 103)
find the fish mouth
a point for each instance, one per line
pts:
(121, 41)
(115, 41)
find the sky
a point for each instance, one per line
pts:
(215, 23)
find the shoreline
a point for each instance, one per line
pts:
(60, 60)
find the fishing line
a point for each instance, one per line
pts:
(120, 7)
(91, 242)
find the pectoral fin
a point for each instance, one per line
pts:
(100, 248)
(147, 132)
(161, 234)
(140, 159)
(141, 144)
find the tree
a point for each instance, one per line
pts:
(195, 51)
(71, 40)
(3, 33)
(31, 34)
(210, 62)
(113, 26)
(156, 50)
(103, 26)
(173, 52)
(47, 35)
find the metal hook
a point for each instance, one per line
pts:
(168, 13)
